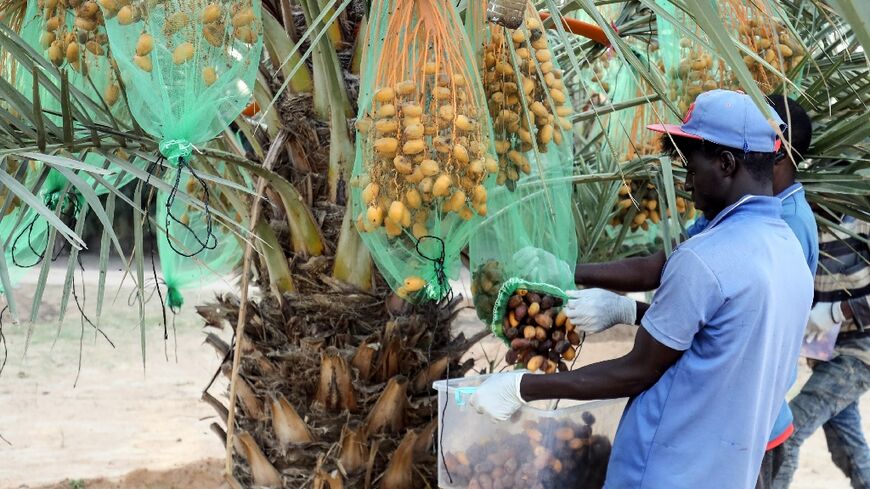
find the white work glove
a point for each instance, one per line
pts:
(537, 265)
(594, 310)
(823, 317)
(499, 397)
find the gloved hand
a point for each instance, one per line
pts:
(537, 265)
(823, 317)
(499, 397)
(594, 310)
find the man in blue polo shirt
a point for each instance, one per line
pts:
(594, 310)
(712, 360)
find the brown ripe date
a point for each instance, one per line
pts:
(520, 312)
(573, 338)
(544, 320)
(547, 302)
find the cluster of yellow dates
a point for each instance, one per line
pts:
(526, 96)
(427, 156)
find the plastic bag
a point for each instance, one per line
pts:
(424, 161)
(189, 66)
(530, 232)
(185, 235)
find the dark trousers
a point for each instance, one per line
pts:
(769, 466)
(829, 401)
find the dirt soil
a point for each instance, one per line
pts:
(124, 427)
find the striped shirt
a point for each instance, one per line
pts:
(844, 275)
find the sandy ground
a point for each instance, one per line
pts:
(124, 427)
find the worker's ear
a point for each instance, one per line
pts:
(727, 163)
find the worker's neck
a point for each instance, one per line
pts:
(782, 182)
(748, 187)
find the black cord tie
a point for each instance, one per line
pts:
(444, 291)
(150, 232)
(3, 339)
(210, 242)
(70, 212)
(444, 297)
(71, 209)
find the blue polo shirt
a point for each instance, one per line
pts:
(797, 214)
(735, 299)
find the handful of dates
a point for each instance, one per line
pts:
(541, 335)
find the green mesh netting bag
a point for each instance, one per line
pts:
(24, 241)
(528, 242)
(185, 235)
(691, 69)
(638, 206)
(529, 238)
(526, 95)
(424, 162)
(75, 40)
(189, 68)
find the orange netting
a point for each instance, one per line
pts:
(423, 158)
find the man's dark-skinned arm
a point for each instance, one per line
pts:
(637, 274)
(669, 328)
(503, 394)
(626, 376)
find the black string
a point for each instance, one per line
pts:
(444, 301)
(39, 254)
(50, 202)
(153, 238)
(72, 216)
(5, 356)
(210, 242)
(79, 305)
(3, 342)
(438, 266)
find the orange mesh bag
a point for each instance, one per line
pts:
(423, 162)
